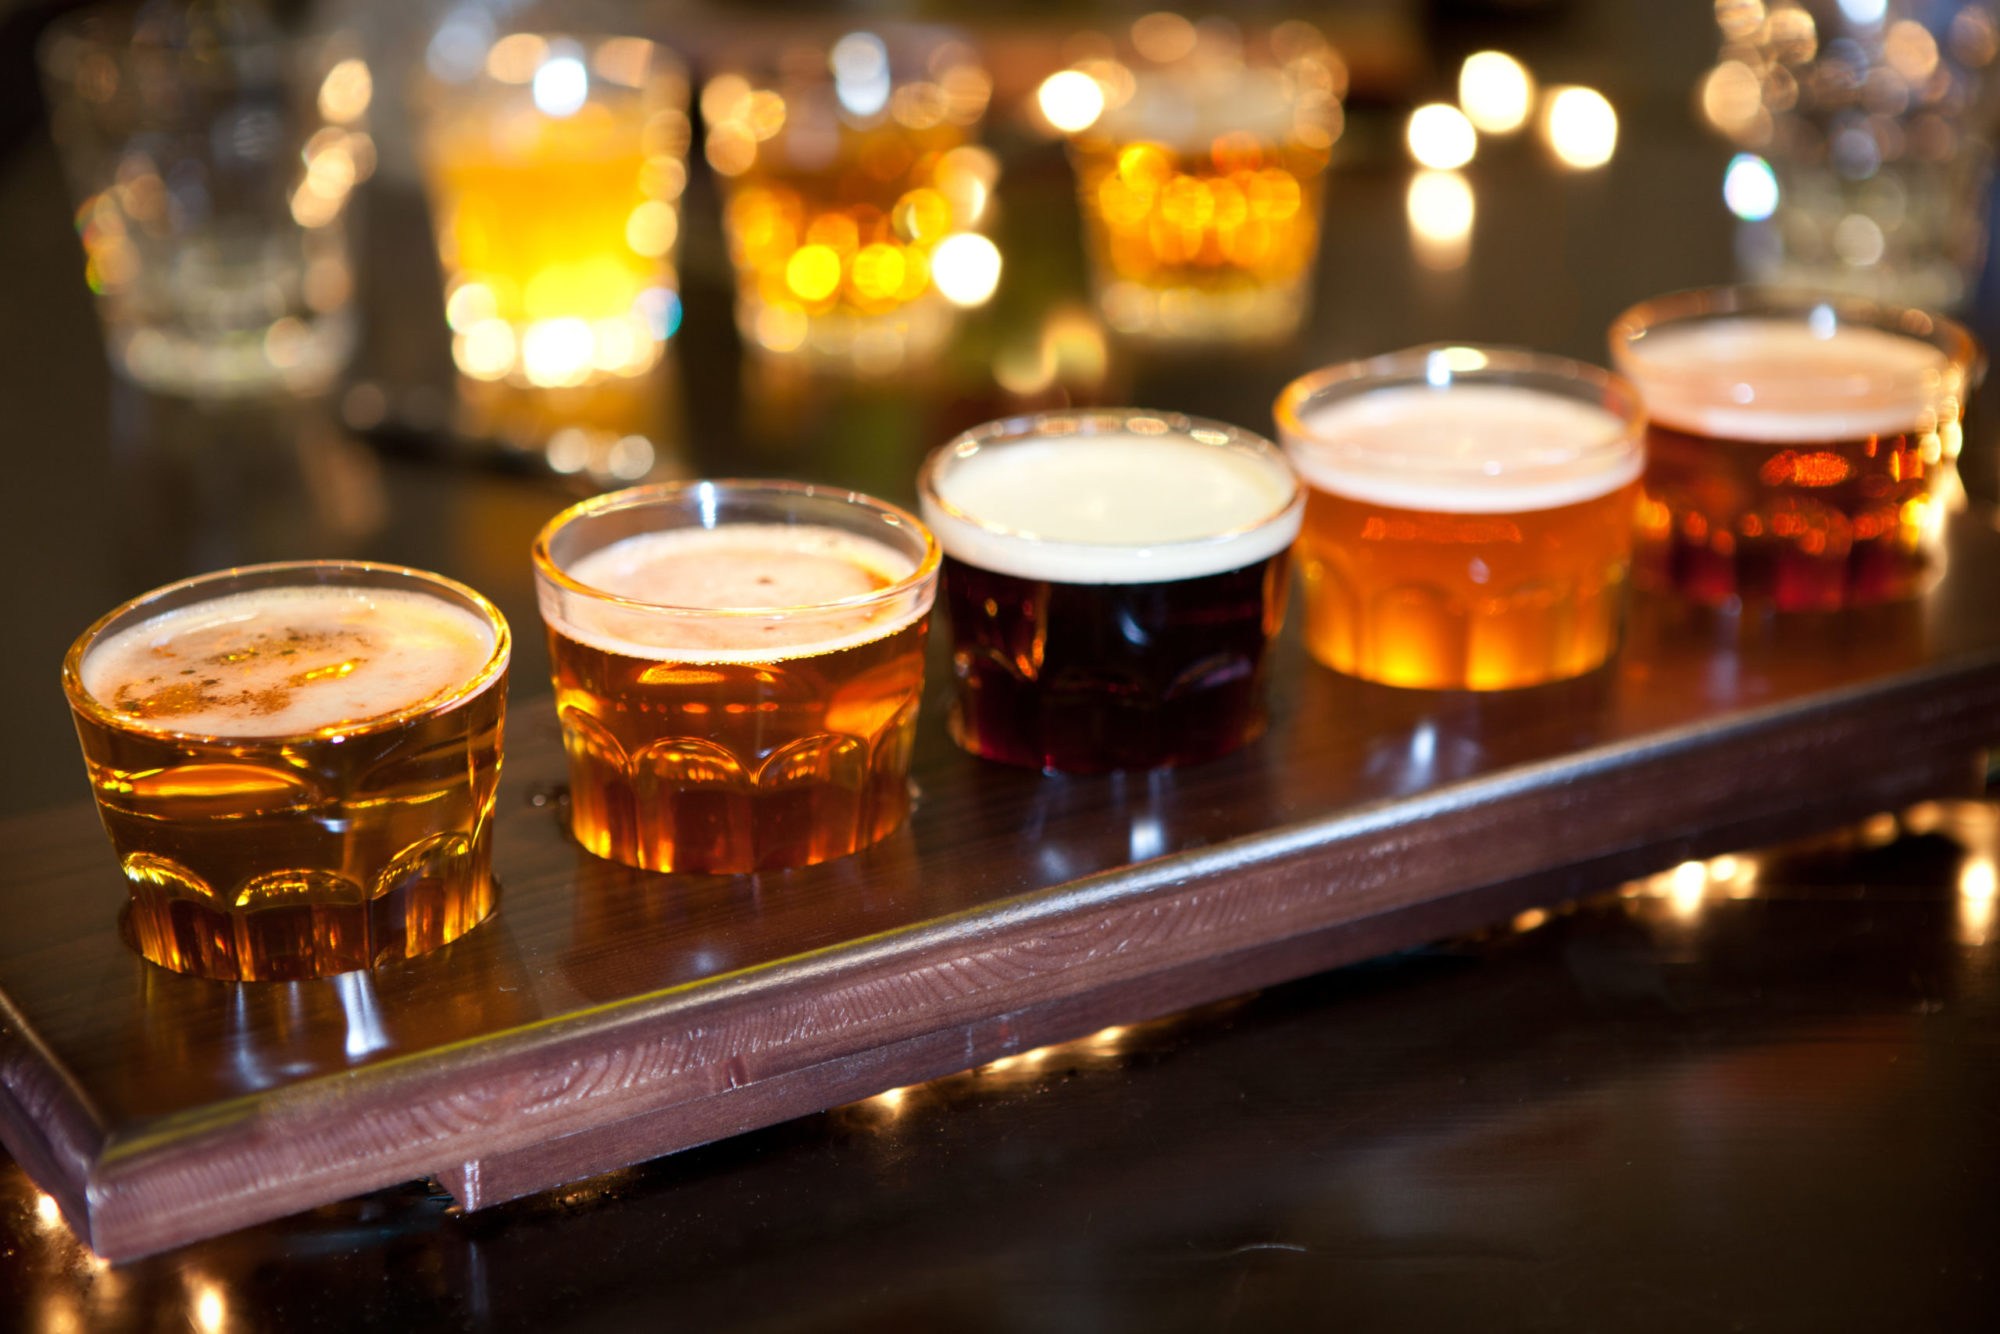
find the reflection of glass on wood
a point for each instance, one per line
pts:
(556, 176)
(853, 194)
(1200, 183)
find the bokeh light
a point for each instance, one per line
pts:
(1440, 137)
(1750, 188)
(1581, 127)
(1496, 92)
(1441, 212)
(966, 269)
(1070, 100)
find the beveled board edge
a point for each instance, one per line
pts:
(610, 1083)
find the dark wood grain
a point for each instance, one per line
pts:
(606, 1015)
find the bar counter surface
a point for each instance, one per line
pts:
(1755, 1091)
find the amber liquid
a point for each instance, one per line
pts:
(733, 767)
(1790, 527)
(1210, 242)
(1464, 601)
(255, 860)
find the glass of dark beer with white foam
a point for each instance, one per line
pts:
(1113, 579)
(1800, 447)
(296, 764)
(1469, 520)
(737, 667)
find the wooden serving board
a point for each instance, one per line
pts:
(605, 1015)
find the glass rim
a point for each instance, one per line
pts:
(1961, 347)
(477, 683)
(1103, 421)
(1432, 363)
(923, 572)
(663, 60)
(904, 39)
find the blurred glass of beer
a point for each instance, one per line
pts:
(1469, 519)
(853, 191)
(1113, 579)
(737, 668)
(296, 764)
(1800, 447)
(1200, 160)
(555, 165)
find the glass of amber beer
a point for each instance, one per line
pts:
(296, 764)
(851, 176)
(1113, 579)
(737, 667)
(1800, 446)
(1200, 181)
(1469, 520)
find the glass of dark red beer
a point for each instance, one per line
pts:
(1800, 445)
(1113, 579)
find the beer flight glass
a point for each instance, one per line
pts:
(1469, 515)
(1799, 447)
(296, 764)
(1113, 580)
(737, 668)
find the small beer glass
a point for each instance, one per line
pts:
(737, 668)
(296, 764)
(1469, 515)
(1800, 447)
(1113, 578)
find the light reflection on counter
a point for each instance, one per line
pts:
(1441, 211)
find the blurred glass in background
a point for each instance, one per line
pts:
(555, 166)
(1866, 130)
(1200, 159)
(213, 158)
(854, 192)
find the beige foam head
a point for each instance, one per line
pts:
(287, 660)
(1111, 507)
(1457, 447)
(1786, 380)
(747, 592)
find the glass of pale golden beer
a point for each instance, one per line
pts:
(296, 764)
(1800, 446)
(737, 667)
(1469, 515)
(1113, 579)
(555, 164)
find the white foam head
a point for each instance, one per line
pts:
(738, 593)
(287, 661)
(1786, 380)
(1116, 507)
(1464, 448)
